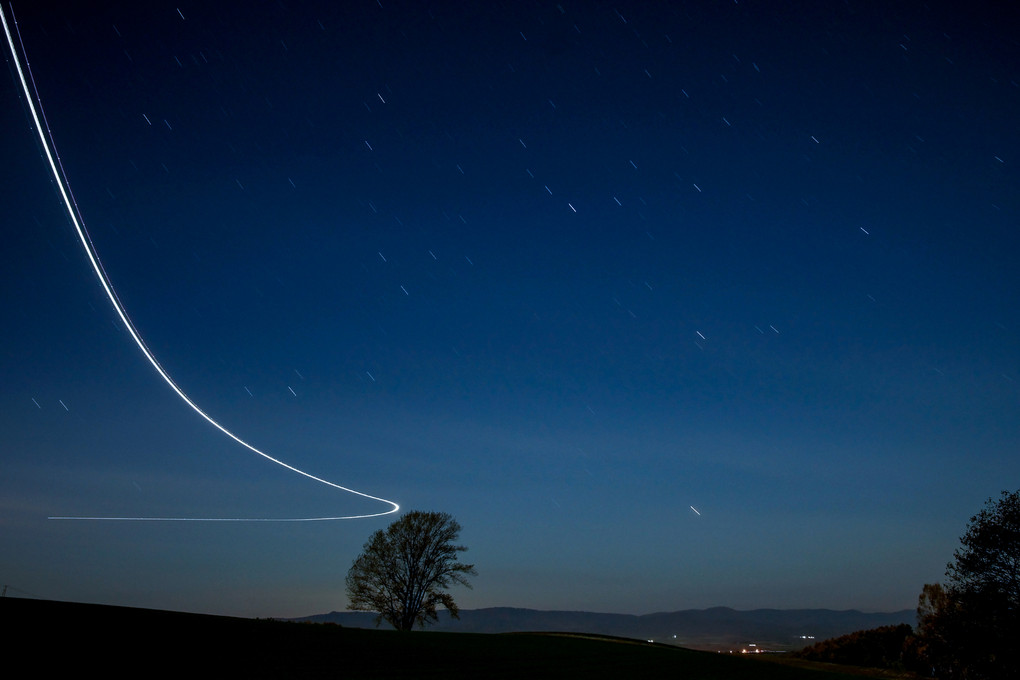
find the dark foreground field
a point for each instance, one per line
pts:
(61, 637)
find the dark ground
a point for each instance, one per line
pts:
(70, 638)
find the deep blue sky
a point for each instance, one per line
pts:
(562, 270)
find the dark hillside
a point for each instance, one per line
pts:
(124, 642)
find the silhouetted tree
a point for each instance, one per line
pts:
(969, 627)
(404, 570)
(935, 640)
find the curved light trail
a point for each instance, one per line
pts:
(49, 147)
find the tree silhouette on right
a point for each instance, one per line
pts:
(969, 627)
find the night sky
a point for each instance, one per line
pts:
(563, 270)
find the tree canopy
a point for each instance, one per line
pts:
(968, 627)
(988, 561)
(403, 571)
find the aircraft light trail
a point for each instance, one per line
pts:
(49, 147)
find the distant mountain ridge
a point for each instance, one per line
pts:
(715, 628)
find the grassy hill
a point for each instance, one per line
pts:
(121, 642)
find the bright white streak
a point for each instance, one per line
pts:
(50, 149)
(695, 511)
